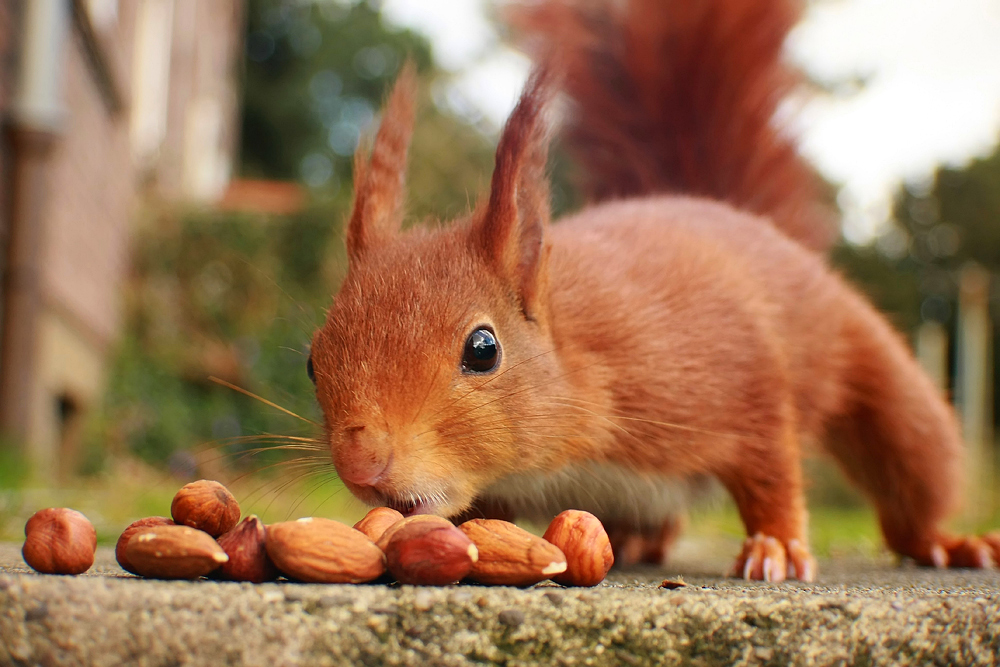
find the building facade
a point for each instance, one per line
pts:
(108, 106)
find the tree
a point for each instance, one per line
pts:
(912, 271)
(315, 77)
(938, 226)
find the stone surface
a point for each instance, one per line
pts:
(857, 613)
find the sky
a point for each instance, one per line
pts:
(931, 96)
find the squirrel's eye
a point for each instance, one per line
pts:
(309, 369)
(482, 352)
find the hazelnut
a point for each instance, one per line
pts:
(132, 529)
(246, 547)
(582, 537)
(429, 519)
(207, 506)
(59, 541)
(377, 521)
(428, 550)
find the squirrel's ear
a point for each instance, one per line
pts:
(378, 180)
(511, 234)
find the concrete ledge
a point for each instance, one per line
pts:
(861, 613)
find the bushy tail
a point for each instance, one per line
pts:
(680, 96)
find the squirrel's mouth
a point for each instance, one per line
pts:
(404, 507)
(412, 506)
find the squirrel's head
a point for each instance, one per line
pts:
(430, 361)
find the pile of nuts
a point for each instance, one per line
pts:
(206, 538)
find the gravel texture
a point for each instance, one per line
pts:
(859, 612)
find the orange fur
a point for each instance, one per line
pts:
(647, 343)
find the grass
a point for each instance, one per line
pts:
(130, 490)
(834, 532)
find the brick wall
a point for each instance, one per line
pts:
(92, 185)
(9, 18)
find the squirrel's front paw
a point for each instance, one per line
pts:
(766, 558)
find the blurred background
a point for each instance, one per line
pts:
(174, 176)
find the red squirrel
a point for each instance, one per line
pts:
(682, 327)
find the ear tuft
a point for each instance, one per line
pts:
(511, 235)
(379, 180)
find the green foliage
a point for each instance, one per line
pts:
(236, 297)
(315, 76)
(892, 285)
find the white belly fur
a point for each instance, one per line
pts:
(611, 492)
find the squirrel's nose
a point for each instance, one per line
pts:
(364, 456)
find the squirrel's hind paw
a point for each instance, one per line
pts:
(650, 547)
(967, 551)
(765, 558)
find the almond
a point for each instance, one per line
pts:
(173, 552)
(207, 506)
(582, 537)
(428, 550)
(375, 523)
(246, 547)
(59, 541)
(324, 551)
(133, 528)
(511, 556)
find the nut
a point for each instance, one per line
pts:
(59, 541)
(245, 546)
(173, 552)
(133, 528)
(429, 519)
(582, 537)
(324, 551)
(377, 521)
(428, 550)
(207, 506)
(511, 556)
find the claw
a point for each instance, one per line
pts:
(969, 551)
(992, 540)
(939, 556)
(801, 561)
(765, 558)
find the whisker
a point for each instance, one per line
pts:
(520, 391)
(287, 468)
(681, 427)
(601, 417)
(325, 500)
(495, 377)
(263, 400)
(245, 454)
(213, 445)
(292, 464)
(316, 487)
(279, 490)
(260, 491)
(430, 387)
(253, 267)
